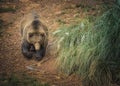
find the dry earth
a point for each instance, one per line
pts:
(53, 13)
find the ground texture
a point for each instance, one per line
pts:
(53, 13)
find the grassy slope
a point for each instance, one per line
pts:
(92, 52)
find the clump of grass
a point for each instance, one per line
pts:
(1, 26)
(93, 52)
(69, 39)
(9, 9)
(17, 80)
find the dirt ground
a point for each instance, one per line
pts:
(53, 13)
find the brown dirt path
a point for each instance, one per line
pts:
(11, 59)
(52, 13)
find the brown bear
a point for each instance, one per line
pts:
(34, 36)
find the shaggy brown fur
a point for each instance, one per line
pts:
(34, 33)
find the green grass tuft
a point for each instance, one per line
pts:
(19, 80)
(92, 50)
(9, 9)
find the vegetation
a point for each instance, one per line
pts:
(14, 80)
(9, 9)
(92, 50)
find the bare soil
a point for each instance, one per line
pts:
(53, 14)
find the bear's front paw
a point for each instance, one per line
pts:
(28, 55)
(38, 57)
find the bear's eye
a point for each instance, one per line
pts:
(30, 34)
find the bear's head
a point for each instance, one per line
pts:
(36, 34)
